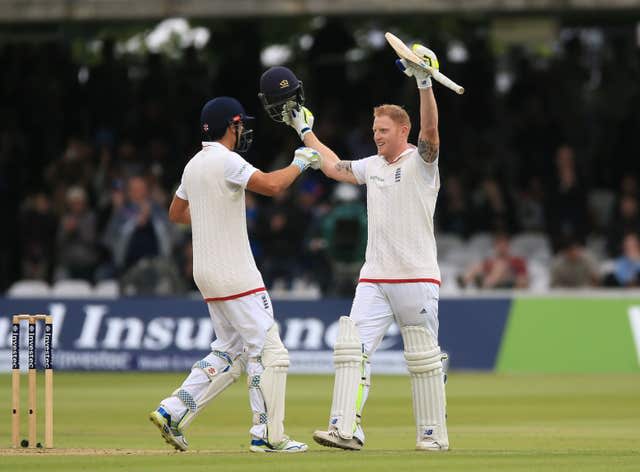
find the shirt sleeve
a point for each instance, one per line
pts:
(181, 192)
(237, 171)
(359, 169)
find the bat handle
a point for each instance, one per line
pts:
(447, 82)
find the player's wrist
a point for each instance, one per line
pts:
(300, 164)
(424, 82)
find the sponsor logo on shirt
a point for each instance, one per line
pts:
(398, 174)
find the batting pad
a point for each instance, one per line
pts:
(424, 362)
(347, 358)
(273, 383)
(209, 378)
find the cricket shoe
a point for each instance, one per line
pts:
(331, 438)
(171, 434)
(286, 445)
(432, 445)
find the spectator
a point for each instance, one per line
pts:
(626, 221)
(627, 267)
(566, 207)
(76, 239)
(37, 226)
(573, 267)
(344, 230)
(139, 229)
(492, 208)
(502, 270)
(453, 214)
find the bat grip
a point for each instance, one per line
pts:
(447, 82)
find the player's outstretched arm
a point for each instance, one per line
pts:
(179, 211)
(332, 166)
(273, 183)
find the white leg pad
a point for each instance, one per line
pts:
(348, 359)
(273, 383)
(209, 378)
(424, 362)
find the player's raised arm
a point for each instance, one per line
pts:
(428, 138)
(282, 96)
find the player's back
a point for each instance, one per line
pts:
(223, 265)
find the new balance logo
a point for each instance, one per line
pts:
(398, 174)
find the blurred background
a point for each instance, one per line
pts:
(99, 113)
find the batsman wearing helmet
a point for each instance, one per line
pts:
(211, 198)
(400, 278)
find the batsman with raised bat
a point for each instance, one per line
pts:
(400, 278)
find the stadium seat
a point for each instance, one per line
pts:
(481, 243)
(448, 278)
(29, 289)
(532, 245)
(72, 288)
(107, 289)
(448, 243)
(539, 276)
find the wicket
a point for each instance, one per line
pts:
(48, 379)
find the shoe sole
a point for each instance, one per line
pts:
(166, 436)
(325, 442)
(262, 450)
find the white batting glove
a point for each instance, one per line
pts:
(422, 76)
(301, 119)
(305, 157)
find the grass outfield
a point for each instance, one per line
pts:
(496, 422)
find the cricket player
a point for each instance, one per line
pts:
(211, 198)
(400, 278)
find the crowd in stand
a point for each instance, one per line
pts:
(90, 156)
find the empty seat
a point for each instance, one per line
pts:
(530, 244)
(107, 289)
(448, 243)
(72, 288)
(29, 288)
(539, 276)
(481, 243)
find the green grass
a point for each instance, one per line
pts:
(496, 422)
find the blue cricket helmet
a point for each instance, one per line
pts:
(220, 113)
(279, 89)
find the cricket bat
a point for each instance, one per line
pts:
(407, 54)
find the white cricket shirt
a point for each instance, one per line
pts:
(214, 182)
(401, 201)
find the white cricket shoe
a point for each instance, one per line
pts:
(171, 434)
(287, 445)
(429, 444)
(331, 438)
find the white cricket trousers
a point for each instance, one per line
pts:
(377, 305)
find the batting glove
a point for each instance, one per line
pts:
(422, 76)
(301, 119)
(307, 157)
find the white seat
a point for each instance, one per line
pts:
(107, 289)
(597, 246)
(531, 245)
(607, 267)
(72, 288)
(539, 276)
(481, 243)
(28, 288)
(448, 243)
(448, 278)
